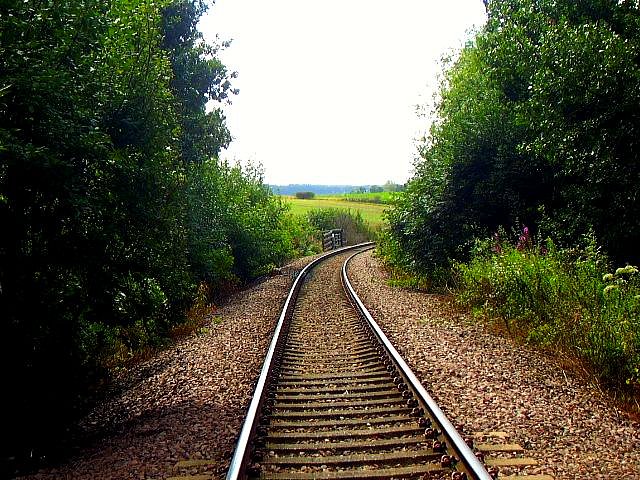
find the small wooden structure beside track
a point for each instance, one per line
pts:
(332, 239)
(335, 400)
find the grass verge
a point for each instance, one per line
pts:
(567, 300)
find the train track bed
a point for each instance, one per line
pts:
(336, 406)
(183, 419)
(503, 392)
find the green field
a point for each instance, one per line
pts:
(371, 212)
(381, 197)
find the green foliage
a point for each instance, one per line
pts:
(112, 202)
(561, 299)
(89, 223)
(576, 88)
(536, 124)
(254, 222)
(305, 195)
(470, 179)
(301, 235)
(401, 273)
(355, 229)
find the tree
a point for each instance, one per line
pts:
(305, 195)
(112, 201)
(578, 83)
(536, 125)
(198, 78)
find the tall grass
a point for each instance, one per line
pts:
(355, 228)
(563, 299)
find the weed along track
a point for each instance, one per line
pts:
(336, 401)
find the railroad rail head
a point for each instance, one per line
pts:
(339, 401)
(426, 407)
(241, 456)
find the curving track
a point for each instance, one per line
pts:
(336, 401)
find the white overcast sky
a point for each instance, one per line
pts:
(328, 89)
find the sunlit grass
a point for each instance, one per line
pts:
(371, 212)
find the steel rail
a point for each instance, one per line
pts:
(240, 459)
(473, 467)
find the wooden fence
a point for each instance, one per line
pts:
(332, 239)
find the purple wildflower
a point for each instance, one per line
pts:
(524, 241)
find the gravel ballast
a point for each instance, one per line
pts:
(192, 404)
(490, 383)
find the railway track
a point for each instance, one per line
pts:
(335, 400)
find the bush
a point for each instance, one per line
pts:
(355, 229)
(305, 195)
(301, 235)
(563, 299)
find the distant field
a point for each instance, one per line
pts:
(382, 197)
(371, 212)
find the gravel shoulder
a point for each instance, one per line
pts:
(490, 383)
(192, 405)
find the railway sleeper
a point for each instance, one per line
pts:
(332, 405)
(419, 471)
(392, 419)
(383, 377)
(329, 367)
(329, 342)
(329, 347)
(366, 432)
(355, 351)
(338, 425)
(346, 445)
(333, 396)
(398, 458)
(312, 357)
(377, 372)
(340, 412)
(350, 335)
(326, 389)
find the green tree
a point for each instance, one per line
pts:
(568, 69)
(470, 177)
(198, 78)
(536, 125)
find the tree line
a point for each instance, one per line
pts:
(114, 206)
(536, 125)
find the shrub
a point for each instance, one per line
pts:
(305, 195)
(355, 229)
(562, 299)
